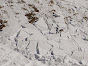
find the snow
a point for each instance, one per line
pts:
(44, 33)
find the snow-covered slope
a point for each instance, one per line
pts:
(43, 32)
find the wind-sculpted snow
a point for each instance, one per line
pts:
(43, 33)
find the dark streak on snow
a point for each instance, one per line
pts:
(2, 24)
(37, 49)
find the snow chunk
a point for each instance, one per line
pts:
(41, 23)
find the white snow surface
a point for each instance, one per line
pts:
(44, 33)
